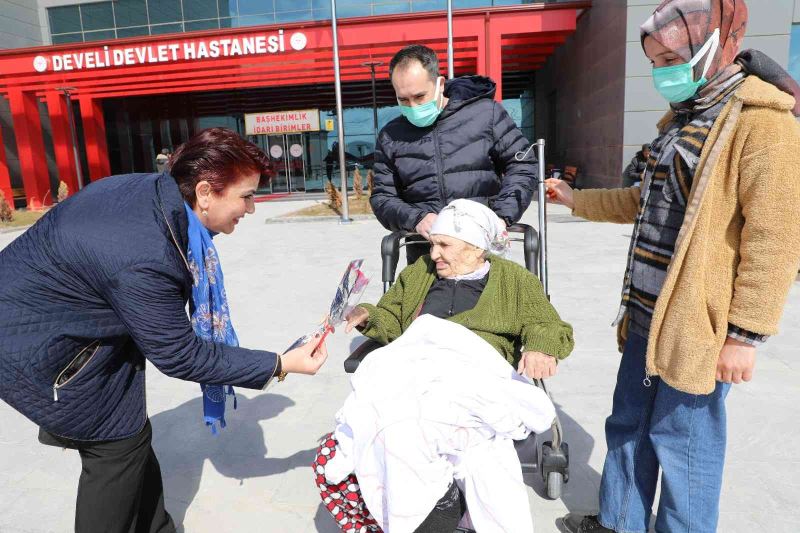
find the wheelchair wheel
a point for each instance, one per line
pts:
(555, 482)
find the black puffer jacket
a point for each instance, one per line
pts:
(467, 153)
(633, 172)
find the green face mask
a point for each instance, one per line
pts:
(423, 115)
(677, 83)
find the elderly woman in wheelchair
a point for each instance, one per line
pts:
(428, 430)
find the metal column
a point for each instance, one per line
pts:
(73, 134)
(542, 219)
(450, 69)
(339, 117)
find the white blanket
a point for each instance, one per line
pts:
(438, 403)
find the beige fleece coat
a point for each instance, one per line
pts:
(738, 250)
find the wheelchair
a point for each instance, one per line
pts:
(551, 459)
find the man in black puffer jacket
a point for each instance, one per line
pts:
(632, 175)
(453, 141)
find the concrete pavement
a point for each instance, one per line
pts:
(256, 476)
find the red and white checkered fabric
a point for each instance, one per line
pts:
(343, 500)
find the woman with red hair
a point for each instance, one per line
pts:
(99, 286)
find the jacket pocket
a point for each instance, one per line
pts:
(78, 363)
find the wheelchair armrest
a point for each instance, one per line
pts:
(358, 355)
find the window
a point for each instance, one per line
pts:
(164, 11)
(98, 16)
(135, 31)
(166, 28)
(256, 7)
(64, 19)
(387, 9)
(353, 11)
(199, 9)
(130, 13)
(198, 25)
(255, 20)
(101, 35)
(428, 5)
(227, 8)
(293, 16)
(322, 13)
(292, 5)
(65, 38)
(794, 53)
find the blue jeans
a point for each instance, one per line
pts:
(660, 427)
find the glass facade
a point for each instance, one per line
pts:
(138, 128)
(132, 18)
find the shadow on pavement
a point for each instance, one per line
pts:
(324, 522)
(183, 444)
(581, 492)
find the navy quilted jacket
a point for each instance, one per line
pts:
(467, 153)
(89, 292)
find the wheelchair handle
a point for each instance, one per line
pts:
(390, 255)
(530, 244)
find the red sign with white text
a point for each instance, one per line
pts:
(168, 52)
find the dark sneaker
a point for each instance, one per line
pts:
(575, 523)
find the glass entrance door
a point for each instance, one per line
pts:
(276, 149)
(290, 157)
(296, 160)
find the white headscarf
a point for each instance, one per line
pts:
(473, 223)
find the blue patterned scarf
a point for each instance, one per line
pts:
(209, 311)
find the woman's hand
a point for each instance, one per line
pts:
(736, 362)
(537, 365)
(559, 192)
(305, 359)
(356, 318)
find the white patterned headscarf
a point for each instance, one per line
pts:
(474, 223)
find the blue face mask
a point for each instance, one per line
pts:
(423, 115)
(677, 83)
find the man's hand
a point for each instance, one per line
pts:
(537, 365)
(559, 192)
(356, 318)
(736, 362)
(425, 225)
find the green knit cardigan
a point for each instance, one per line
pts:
(512, 310)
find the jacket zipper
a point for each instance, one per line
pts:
(439, 170)
(174, 239)
(57, 386)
